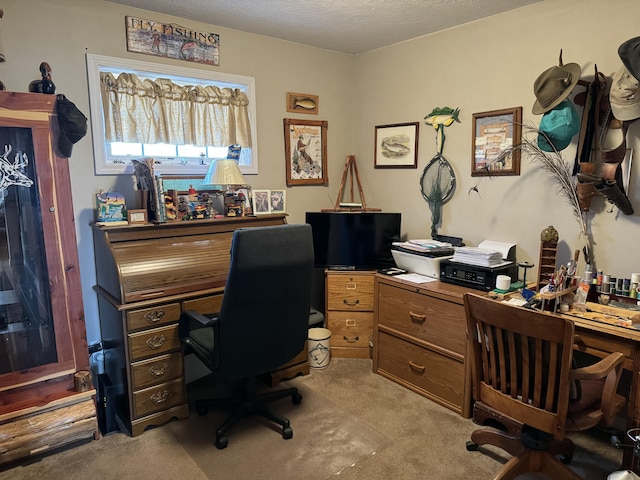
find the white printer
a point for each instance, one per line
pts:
(421, 256)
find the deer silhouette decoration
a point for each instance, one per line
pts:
(10, 173)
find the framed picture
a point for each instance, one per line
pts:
(305, 147)
(277, 201)
(493, 133)
(137, 216)
(302, 103)
(396, 146)
(261, 202)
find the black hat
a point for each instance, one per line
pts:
(72, 123)
(629, 53)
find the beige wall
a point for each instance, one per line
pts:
(486, 65)
(489, 65)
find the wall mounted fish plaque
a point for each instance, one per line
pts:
(302, 103)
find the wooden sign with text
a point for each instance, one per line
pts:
(172, 41)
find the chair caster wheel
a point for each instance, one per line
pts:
(222, 442)
(472, 446)
(287, 433)
(296, 398)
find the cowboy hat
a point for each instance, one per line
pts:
(629, 53)
(554, 85)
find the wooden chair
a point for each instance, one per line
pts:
(522, 371)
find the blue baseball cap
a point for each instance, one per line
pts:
(558, 126)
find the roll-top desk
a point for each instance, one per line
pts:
(146, 276)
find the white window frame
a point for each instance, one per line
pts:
(101, 63)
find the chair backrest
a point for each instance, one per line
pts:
(264, 317)
(521, 362)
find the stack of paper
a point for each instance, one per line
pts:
(482, 257)
(424, 246)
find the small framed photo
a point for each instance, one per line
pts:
(136, 217)
(261, 202)
(396, 146)
(302, 103)
(493, 133)
(305, 149)
(277, 201)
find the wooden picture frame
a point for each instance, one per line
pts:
(137, 216)
(396, 146)
(305, 147)
(302, 103)
(493, 133)
(261, 202)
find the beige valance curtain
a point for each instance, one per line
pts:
(160, 111)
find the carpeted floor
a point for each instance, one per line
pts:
(351, 424)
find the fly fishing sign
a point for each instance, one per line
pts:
(172, 41)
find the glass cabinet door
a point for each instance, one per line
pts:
(27, 333)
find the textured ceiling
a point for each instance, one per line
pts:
(348, 26)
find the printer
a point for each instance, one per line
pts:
(479, 267)
(421, 256)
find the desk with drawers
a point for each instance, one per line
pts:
(420, 342)
(146, 276)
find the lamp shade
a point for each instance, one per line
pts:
(224, 172)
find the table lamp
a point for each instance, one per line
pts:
(224, 173)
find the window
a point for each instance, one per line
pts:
(176, 157)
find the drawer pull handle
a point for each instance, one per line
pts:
(416, 368)
(351, 304)
(159, 397)
(417, 318)
(155, 316)
(156, 342)
(350, 339)
(158, 369)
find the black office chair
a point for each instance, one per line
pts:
(263, 321)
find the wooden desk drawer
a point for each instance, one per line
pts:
(601, 346)
(153, 317)
(153, 342)
(350, 292)
(350, 329)
(435, 375)
(433, 320)
(204, 305)
(156, 370)
(160, 397)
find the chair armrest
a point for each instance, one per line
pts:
(609, 369)
(190, 319)
(598, 370)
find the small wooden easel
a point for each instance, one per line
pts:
(340, 206)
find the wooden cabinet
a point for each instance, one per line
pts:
(42, 329)
(419, 340)
(349, 312)
(147, 275)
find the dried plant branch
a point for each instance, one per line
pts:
(554, 164)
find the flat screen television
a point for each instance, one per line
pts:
(344, 240)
